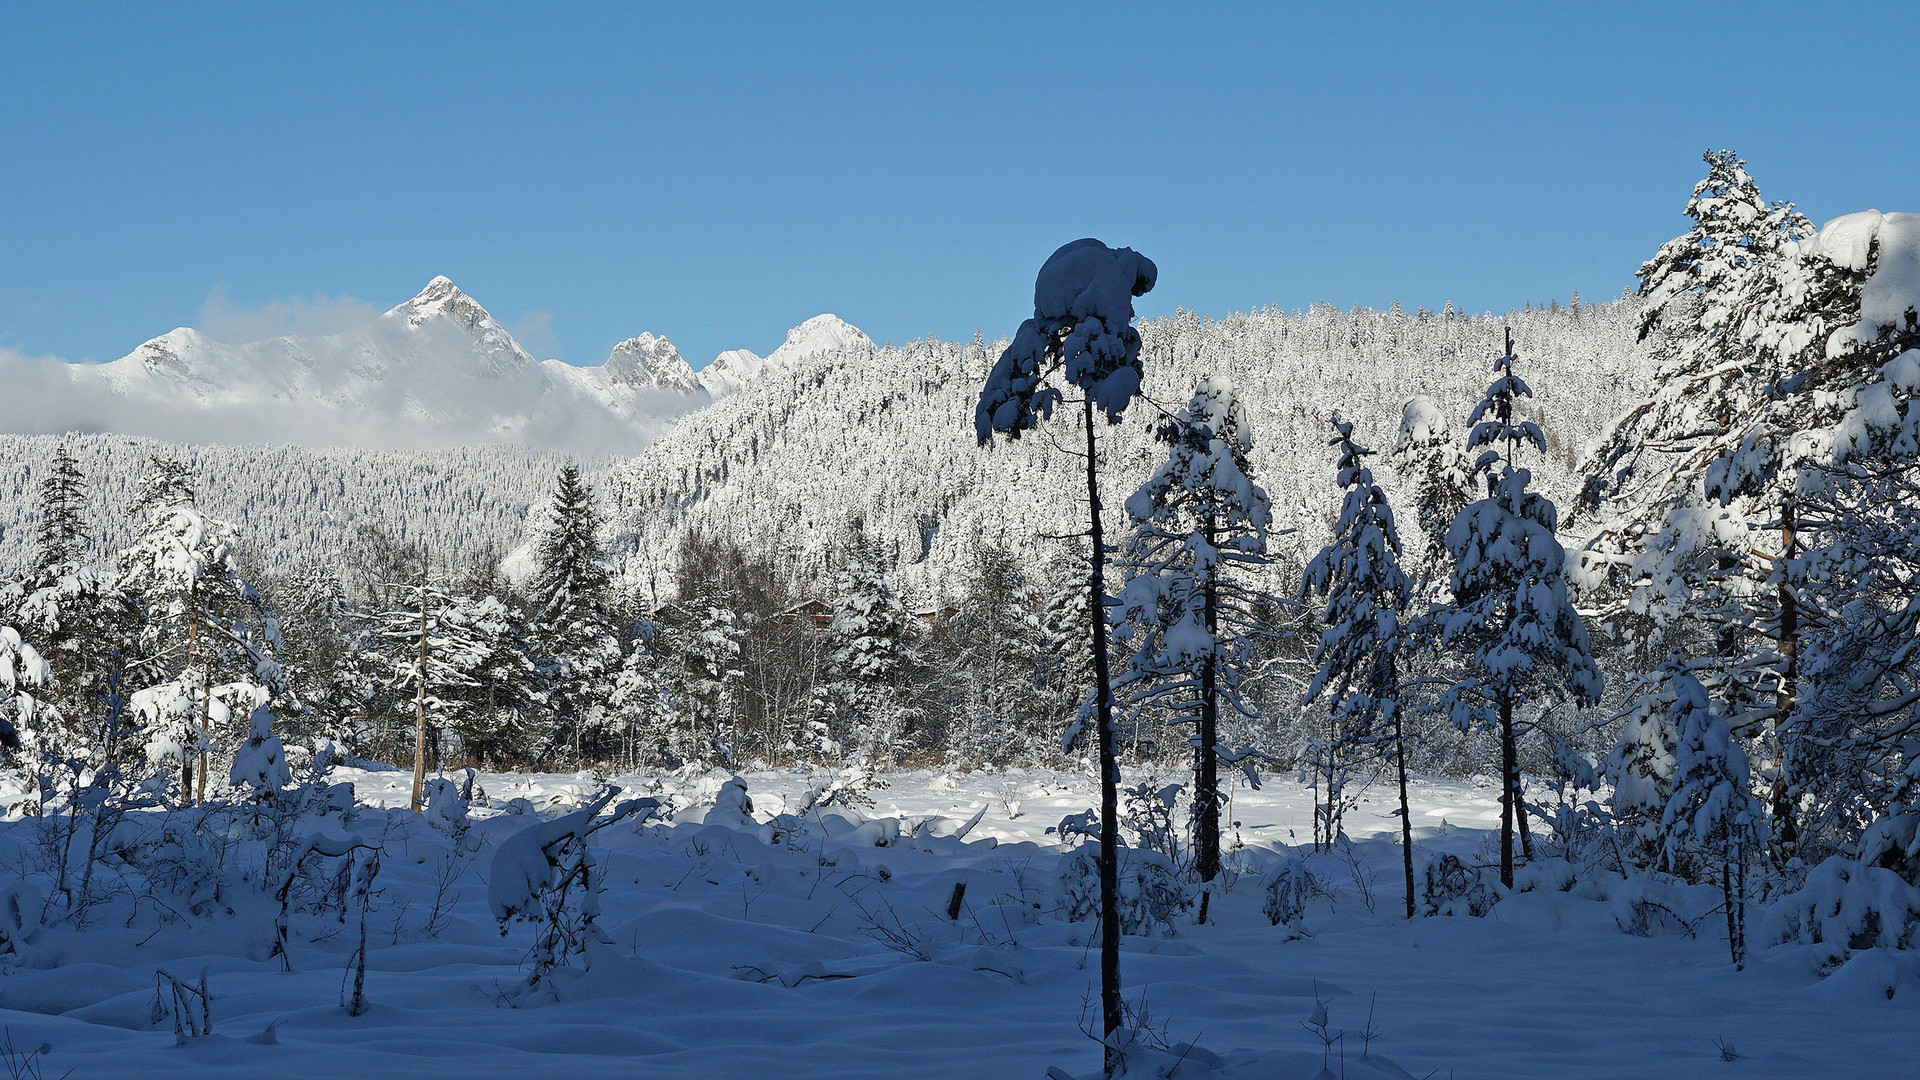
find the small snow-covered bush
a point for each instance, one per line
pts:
(1147, 811)
(1287, 889)
(544, 874)
(446, 810)
(1451, 887)
(260, 765)
(1846, 906)
(1149, 892)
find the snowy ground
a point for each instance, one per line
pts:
(833, 957)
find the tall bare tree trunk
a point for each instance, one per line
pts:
(420, 705)
(1206, 788)
(186, 759)
(1406, 812)
(1509, 770)
(1110, 1010)
(1786, 829)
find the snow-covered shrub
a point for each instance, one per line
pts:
(731, 806)
(1150, 894)
(1654, 905)
(446, 809)
(260, 765)
(1084, 825)
(1288, 889)
(1451, 887)
(1584, 835)
(847, 787)
(184, 866)
(1845, 906)
(544, 874)
(1146, 810)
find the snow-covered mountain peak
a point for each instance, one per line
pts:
(735, 368)
(443, 299)
(168, 354)
(822, 333)
(649, 361)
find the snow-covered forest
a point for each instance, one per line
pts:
(1249, 653)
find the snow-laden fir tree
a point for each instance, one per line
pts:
(993, 644)
(1082, 331)
(1185, 612)
(573, 628)
(861, 698)
(1428, 458)
(22, 670)
(1510, 617)
(76, 616)
(1712, 821)
(702, 636)
(1783, 377)
(1640, 768)
(1686, 558)
(1365, 635)
(1066, 660)
(494, 724)
(62, 538)
(644, 707)
(207, 645)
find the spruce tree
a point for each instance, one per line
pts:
(62, 535)
(1510, 614)
(1199, 526)
(872, 653)
(1712, 821)
(207, 644)
(1360, 650)
(572, 625)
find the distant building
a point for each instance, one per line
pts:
(815, 612)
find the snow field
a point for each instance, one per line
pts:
(828, 952)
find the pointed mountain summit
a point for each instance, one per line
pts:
(442, 299)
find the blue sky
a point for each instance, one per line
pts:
(719, 174)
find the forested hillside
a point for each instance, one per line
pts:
(883, 436)
(292, 506)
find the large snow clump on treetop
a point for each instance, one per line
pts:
(1083, 320)
(1889, 246)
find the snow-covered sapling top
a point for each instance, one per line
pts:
(1082, 322)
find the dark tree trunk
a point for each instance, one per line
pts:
(1206, 788)
(1406, 813)
(1110, 1013)
(1509, 766)
(1786, 829)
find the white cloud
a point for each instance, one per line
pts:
(223, 320)
(534, 332)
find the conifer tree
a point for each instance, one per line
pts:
(207, 642)
(1428, 456)
(872, 654)
(62, 535)
(1082, 329)
(572, 625)
(1360, 649)
(1510, 613)
(703, 635)
(1712, 819)
(994, 644)
(426, 653)
(1199, 525)
(74, 615)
